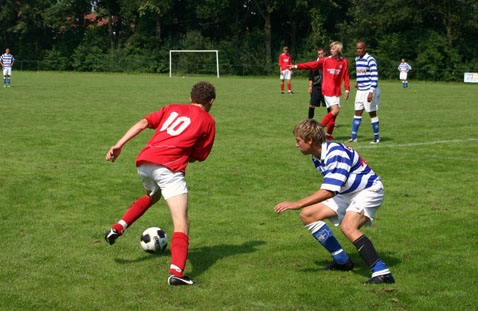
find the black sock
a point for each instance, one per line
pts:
(367, 251)
(311, 112)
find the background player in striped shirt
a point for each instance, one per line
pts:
(7, 60)
(404, 68)
(368, 93)
(184, 133)
(350, 195)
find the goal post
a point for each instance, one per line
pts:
(193, 51)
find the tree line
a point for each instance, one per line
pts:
(438, 37)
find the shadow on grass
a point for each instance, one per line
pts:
(145, 257)
(203, 258)
(360, 267)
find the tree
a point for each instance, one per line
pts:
(430, 33)
(264, 8)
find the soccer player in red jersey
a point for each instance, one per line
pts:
(183, 133)
(335, 69)
(285, 60)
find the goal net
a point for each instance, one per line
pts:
(193, 64)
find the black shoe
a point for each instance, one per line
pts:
(111, 236)
(183, 280)
(282, 92)
(386, 278)
(349, 265)
(290, 92)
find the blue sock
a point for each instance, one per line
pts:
(355, 126)
(375, 128)
(379, 266)
(324, 235)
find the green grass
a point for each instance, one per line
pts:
(59, 195)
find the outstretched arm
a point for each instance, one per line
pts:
(319, 196)
(314, 65)
(115, 151)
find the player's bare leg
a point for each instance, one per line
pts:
(178, 207)
(312, 217)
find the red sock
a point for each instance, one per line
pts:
(136, 210)
(179, 253)
(289, 86)
(282, 87)
(331, 126)
(325, 121)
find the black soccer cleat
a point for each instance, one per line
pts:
(381, 279)
(183, 280)
(349, 265)
(111, 236)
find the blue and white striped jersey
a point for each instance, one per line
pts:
(343, 169)
(6, 60)
(367, 72)
(404, 67)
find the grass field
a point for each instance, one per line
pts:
(59, 195)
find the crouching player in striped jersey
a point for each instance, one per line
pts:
(349, 196)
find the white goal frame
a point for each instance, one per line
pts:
(193, 51)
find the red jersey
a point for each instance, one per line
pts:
(284, 61)
(334, 71)
(183, 131)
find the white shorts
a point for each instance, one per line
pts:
(362, 103)
(286, 74)
(156, 177)
(403, 75)
(368, 201)
(331, 100)
(7, 71)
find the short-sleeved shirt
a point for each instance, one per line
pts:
(183, 131)
(285, 60)
(343, 169)
(404, 67)
(7, 60)
(367, 73)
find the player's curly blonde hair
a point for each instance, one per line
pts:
(310, 129)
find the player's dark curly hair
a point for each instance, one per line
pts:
(310, 129)
(202, 93)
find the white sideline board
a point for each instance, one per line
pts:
(471, 77)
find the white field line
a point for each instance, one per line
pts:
(454, 141)
(436, 142)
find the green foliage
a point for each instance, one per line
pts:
(437, 37)
(90, 54)
(54, 60)
(89, 58)
(59, 195)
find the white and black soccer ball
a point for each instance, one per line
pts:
(154, 240)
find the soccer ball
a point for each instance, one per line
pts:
(154, 240)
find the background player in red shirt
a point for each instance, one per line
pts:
(335, 69)
(285, 60)
(183, 133)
